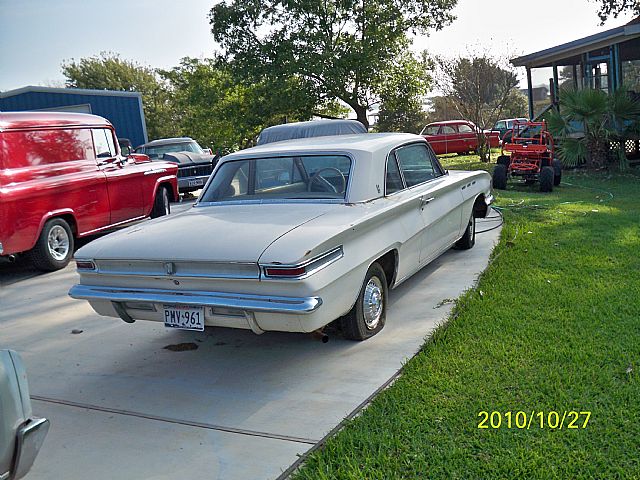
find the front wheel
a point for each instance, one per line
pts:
(54, 247)
(546, 179)
(368, 315)
(161, 205)
(468, 240)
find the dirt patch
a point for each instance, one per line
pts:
(181, 347)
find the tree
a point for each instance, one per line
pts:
(589, 120)
(222, 112)
(107, 71)
(614, 8)
(402, 96)
(480, 88)
(342, 49)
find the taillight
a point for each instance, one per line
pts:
(285, 271)
(85, 265)
(305, 269)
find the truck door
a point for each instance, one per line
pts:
(124, 180)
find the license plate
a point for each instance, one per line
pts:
(185, 317)
(196, 183)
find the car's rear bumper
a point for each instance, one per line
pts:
(239, 301)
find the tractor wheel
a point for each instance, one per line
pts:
(504, 160)
(500, 177)
(546, 179)
(557, 172)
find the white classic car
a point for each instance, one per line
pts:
(290, 236)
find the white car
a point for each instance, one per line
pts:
(290, 236)
(21, 434)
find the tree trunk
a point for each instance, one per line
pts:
(484, 149)
(361, 113)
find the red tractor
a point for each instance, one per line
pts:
(532, 157)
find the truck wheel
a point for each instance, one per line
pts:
(161, 205)
(500, 177)
(546, 179)
(368, 315)
(468, 240)
(557, 172)
(54, 247)
(504, 160)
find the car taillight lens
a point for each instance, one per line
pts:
(85, 265)
(285, 271)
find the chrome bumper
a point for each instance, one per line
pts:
(240, 301)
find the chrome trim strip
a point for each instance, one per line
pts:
(242, 301)
(317, 263)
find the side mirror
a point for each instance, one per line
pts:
(21, 435)
(126, 150)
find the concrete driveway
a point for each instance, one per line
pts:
(238, 406)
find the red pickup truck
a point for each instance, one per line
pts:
(456, 136)
(62, 176)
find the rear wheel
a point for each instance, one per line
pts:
(546, 179)
(557, 172)
(161, 205)
(504, 160)
(368, 315)
(468, 240)
(500, 177)
(54, 247)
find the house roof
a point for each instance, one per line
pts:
(549, 56)
(73, 91)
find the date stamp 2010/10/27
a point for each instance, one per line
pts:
(569, 419)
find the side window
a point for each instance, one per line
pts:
(103, 143)
(448, 130)
(415, 164)
(430, 130)
(394, 180)
(44, 147)
(467, 129)
(437, 168)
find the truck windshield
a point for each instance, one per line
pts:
(277, 178)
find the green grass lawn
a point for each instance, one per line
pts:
(553, 326)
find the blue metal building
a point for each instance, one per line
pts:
(122, 109)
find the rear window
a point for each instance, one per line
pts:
(294, 178)
(44, 147)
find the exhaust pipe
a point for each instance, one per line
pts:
(9, 258)
(320, 335)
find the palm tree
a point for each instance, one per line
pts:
(589, 121)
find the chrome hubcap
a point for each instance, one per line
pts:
(58, 243)
(373, 302)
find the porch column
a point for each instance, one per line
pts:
(530, 92)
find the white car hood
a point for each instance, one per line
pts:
(236, 233)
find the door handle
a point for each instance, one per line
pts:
(424, 201)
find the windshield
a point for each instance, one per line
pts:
(307, 177)
(160, 150)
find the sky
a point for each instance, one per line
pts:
(36, 36)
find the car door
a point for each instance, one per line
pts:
(468, 138)
(438, 141)
(451, 140)
(124, 180)
(439, 199)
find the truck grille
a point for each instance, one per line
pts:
(195, 171)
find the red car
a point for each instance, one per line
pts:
(62, 176)
(456, 136)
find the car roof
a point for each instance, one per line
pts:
(166, 141)
(362, 142)
(26, 120)
(448, 122)
(313, 128)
